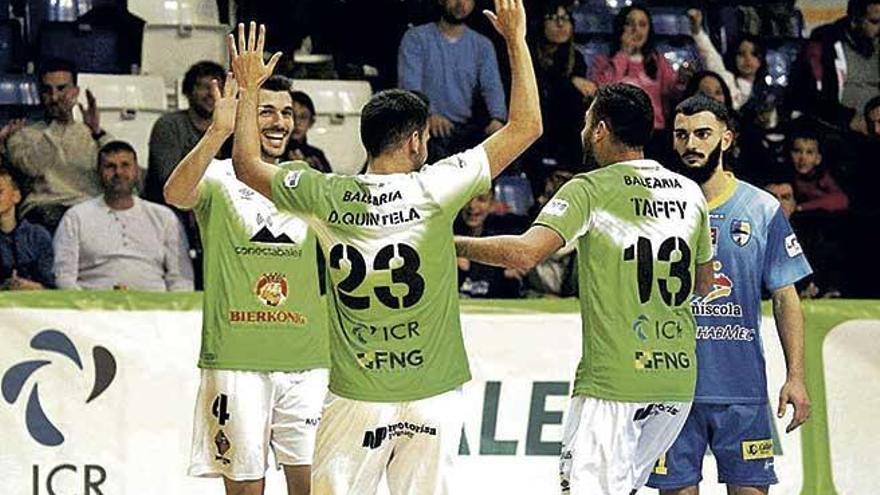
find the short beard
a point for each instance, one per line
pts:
(451, 19)
(703, 173)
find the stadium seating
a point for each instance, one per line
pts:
(337, 123)
(781, 54)
(679, 50)
(176, 12)
(128, 105)
(19, 97)
(10, 46)
(515, 193)
(91, 48)
(169, 50)
(670, 21)
(591, 46)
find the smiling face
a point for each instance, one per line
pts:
(637, 26)
(475, 212)
(275, 120)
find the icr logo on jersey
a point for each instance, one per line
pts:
(740, 232)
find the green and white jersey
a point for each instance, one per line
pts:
(641, 230)
(263, 310)
(393, 298)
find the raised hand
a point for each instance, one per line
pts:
(695, 18)
(90, 114)
(509, 19)
(223, 119)
(247, 57)
(11, 128)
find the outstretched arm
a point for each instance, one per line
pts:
(520, 252)
(182, 187)
(790, 325)
(250, 72)
(523, 126)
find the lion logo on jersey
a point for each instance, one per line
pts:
(271, 289)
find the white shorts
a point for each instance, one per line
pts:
(609, 448)
(241, 414)
(414, 443)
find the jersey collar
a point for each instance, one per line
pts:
(726, 194)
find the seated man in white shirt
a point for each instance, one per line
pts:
(119, 241)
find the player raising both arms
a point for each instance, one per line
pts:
(642, 236)
(264, 328)
(398, 359)
(755, 248)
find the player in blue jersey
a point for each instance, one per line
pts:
(755, 248)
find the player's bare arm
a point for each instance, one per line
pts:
(790, 325)
(523, 126)
(250, 72)
(705, 278)
(182, 187)
(520, 252)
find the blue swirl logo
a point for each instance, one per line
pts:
(38, 424)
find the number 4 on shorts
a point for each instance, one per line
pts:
(219, 409)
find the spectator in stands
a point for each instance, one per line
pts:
(119, 241)
(872, 117)
(298, 147)
(838, 70)
(562, 81)
(173, 136)
(817, 216)
(556, 275)
(25, 248)
(451, 64)
(815, 188)
(634, 60)
(57, 155)
(783, 191)
(710, 84)
(176, 133)
(745, 68)
(484, 281)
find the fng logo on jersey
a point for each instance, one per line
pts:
(38, 424)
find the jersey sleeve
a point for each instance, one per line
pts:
(298, 188)
(568, 212)
(705, 253)
(453, 181)
(784, 262)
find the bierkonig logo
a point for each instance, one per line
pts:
(38, 423)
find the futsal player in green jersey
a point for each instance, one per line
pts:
(643, 242)
(397, 356)
(264, 353)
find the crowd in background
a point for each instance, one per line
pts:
(76, 213)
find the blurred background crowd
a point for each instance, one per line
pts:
(100, 99)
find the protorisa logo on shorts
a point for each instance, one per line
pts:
(38, 424)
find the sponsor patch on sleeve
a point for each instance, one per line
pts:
(291, 180)
(792, 246)
(556, 207)
(757, 449)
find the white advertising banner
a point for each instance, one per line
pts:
(100, 402)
